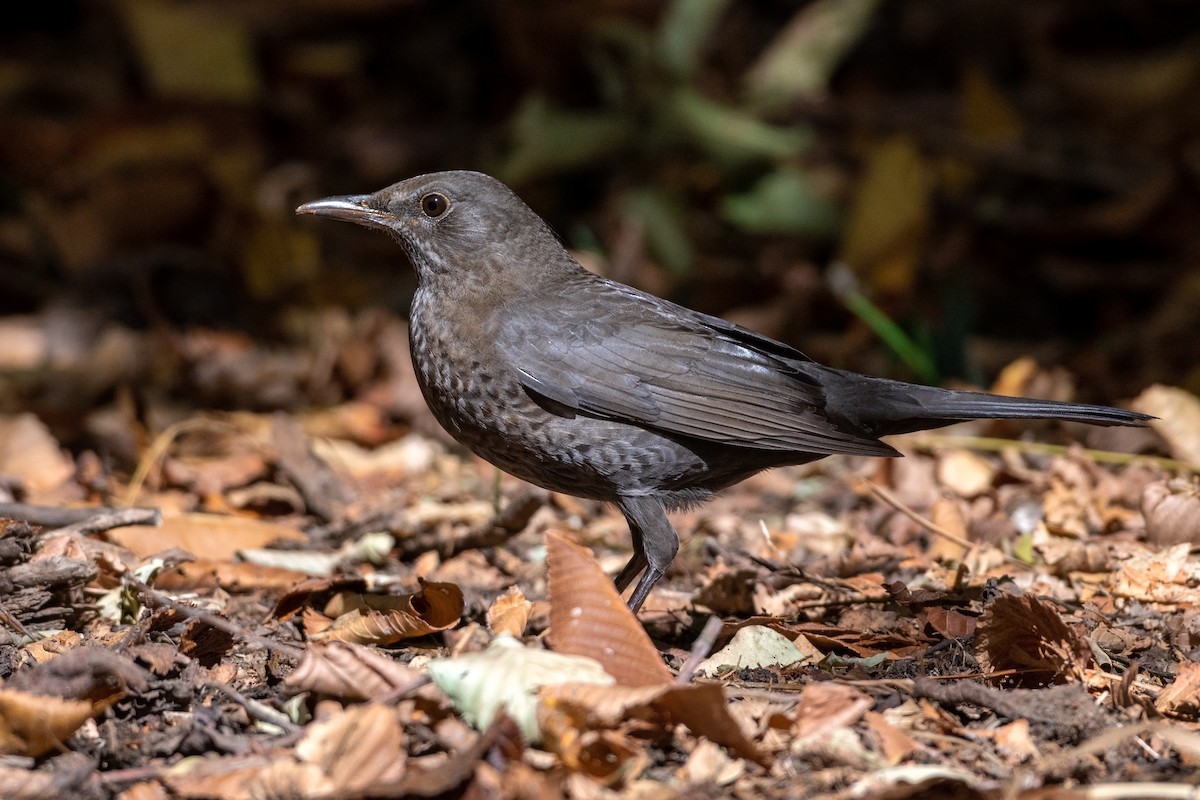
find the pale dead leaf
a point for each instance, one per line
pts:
(507, 675)
(211, 536)
(1181, 699)
(229, 575)
(350, 671)
(708, 765)
(965, 473)
(30, 453)
(32, 724)
(1164, 576)
(1178, 423)
(753, 647)
(1172, 512)
(509, 613)
(825, 707)
(699, 706)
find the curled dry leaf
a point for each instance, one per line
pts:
(350, 671)
(1172, 512)
(1028, 636)
(385, 619)
(894, 742)
(825, 707)
(509, 614)
(698, 706)
(589, 618)
(1164, 576)
(31, 725)
(1178, 422)
(344, 755)
(965, 473)
(1181, 699)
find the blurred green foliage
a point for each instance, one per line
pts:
(653, 106)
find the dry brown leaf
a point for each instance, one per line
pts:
(1172, 512)
(209, 536)
(948, 514)
(1164, 576)
(965, 473)
(888, 216)
(608, 757)
(1181, 699)
(1178, 423)
(700, 707)
(1027, 635)
(231, 576)
(588, 618)
(436, 607)
(1013, 741)
(949, 622)
(350, 671)
(895, 743)
(17, 783)
(709, 765)
(342, 755)
(30, 453)
(825, 707)
(509, 613)
(33, 724)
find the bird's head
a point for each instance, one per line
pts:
(457, 225)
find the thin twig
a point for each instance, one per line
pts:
(255, 709)
(156, 599)
(936, 530)
(700, 649)
(105, 519)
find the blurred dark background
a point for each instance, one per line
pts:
(925, 188)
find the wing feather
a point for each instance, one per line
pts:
(655, 364)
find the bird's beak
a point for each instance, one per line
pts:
(350, 208)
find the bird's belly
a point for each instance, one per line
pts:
(485, 408)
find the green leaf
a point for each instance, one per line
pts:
(664, 225)
(507, 675)
(732, 134)
(685, 29)
(547, 139)
(784, 201)
(801, 59)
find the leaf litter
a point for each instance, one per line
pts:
(416, 625)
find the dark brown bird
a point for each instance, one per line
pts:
(586, 386)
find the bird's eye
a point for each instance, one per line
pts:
(434, 205)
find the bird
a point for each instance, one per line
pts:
(589, 387)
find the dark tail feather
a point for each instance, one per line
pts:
(881, 407)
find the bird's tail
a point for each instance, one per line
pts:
(881, 407)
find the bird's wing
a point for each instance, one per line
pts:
(636, 359)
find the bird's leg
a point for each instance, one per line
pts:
(631, 570)
(637, 562)
(649, 527)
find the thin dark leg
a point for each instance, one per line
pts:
(658, 540)
(630, 571)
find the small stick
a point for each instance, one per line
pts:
(700, 650)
